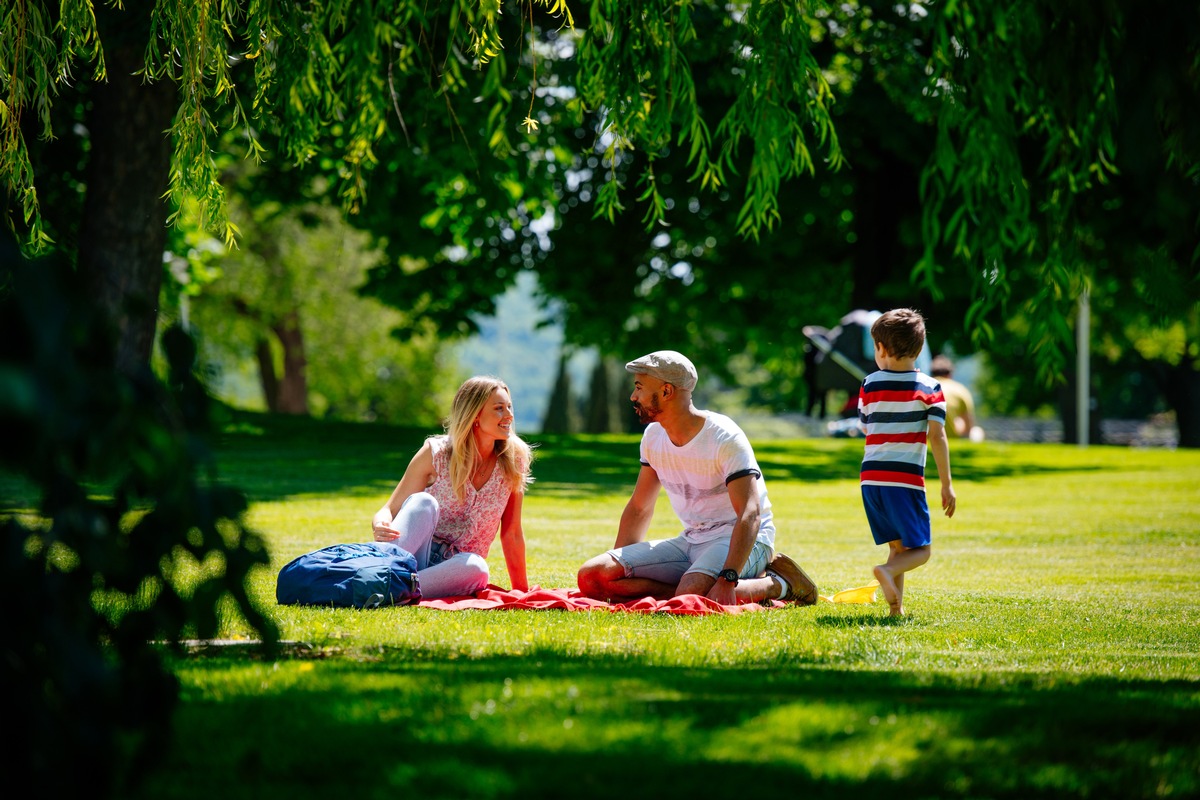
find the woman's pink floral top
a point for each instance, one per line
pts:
(469, 525)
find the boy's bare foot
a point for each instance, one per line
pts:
(890, 593)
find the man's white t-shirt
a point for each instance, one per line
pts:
(695, 477)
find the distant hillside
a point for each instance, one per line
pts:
(512, 347)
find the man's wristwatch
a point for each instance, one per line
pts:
(730, 575)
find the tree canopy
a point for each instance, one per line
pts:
(1017, 144)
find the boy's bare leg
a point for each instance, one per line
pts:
(890, 592)
(901, 559)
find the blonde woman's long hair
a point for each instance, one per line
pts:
(513, 456)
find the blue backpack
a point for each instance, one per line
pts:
(357, 575)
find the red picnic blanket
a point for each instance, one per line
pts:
(537, 598)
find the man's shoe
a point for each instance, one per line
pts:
(801, 588)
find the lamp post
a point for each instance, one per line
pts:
(1083, 380)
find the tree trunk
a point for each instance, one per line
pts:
(123, 232)
(885, 195)
(1068, 411)
(293, 386)
(599, 409)
(558, 416)
(1180, 385)
(266, 374)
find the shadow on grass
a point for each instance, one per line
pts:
(275, 456)
(812, 461)
(612, 462)
(272, 456)
(593, 727)
(582, 466)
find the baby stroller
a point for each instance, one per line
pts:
(839, 359)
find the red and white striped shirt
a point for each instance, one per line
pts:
(894, 409)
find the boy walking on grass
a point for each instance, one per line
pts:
(901, 411)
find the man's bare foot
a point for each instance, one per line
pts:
(890, 593)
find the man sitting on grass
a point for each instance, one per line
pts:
(706, 465)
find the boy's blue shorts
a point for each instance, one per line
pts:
(897, 513)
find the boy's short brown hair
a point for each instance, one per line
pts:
(901, 331)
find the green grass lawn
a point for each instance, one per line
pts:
(1052, 647)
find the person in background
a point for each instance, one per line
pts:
(706, 465)
(960, 405)
(458, 491)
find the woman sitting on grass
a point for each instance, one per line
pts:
(458, 490)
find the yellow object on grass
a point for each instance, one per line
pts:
(861, 595)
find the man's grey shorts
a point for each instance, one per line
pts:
(668, 560)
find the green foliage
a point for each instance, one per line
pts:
(695, 281)
(635, 70)
(1032, 122)
(1050, 116)
(1024, 130)
(303, 262)
(312, 64)
(31, 64)
(328, 67)
(122, 537)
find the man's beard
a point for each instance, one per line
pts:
(645, 414)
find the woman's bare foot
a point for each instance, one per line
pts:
(890, 593)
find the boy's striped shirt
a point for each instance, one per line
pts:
(894, 409)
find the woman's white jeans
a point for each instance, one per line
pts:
(440, 574)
